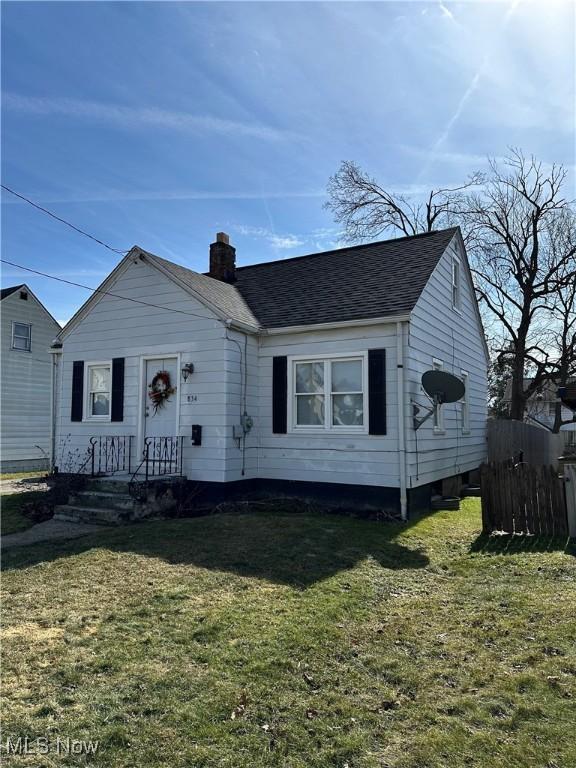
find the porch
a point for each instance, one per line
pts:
(116, 484)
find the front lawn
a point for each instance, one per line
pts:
(12, 519)
(294, 641)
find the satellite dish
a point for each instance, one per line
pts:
(568, 395)
(443, 387)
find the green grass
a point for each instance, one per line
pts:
(295, 641)
(12, 519)
(20, 475)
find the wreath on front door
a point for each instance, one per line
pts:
(160, 389)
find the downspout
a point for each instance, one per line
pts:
(53, 394)
(401, 418)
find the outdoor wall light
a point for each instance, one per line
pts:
(187, 370)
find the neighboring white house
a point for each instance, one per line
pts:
(299, 374)
(28, 330)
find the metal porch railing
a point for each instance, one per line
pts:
(109, 454)
(162, 456)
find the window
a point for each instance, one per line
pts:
(455, 283)
(438, 418)
(465, 404)
(329, 394)
(98, 389)
(22, 336)
(552, 409)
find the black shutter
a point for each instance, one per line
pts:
(377, 391)
(77, 390)
(279, 394)
(117, 409)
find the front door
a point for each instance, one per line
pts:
(161, 421)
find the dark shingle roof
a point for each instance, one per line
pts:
(9, 291)
(359, 282)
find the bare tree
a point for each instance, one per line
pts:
(563, 325)
(523, 256)
(520, 233)
(367, 210)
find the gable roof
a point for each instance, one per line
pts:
(5, 292)
(223, 296)
(9, 291)
(355, 283)
(360, 282)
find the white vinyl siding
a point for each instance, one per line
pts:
(436, 331)
(465, 403)
(118, 328)
(330, 456)
(26, 384)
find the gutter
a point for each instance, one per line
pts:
(335, 325)
(401, 418)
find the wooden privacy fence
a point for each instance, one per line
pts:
(514, 439)
(523, 499)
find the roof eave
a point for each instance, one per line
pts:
(336, 325)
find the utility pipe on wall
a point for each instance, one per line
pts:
(401, 418)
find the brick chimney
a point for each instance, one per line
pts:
(222, 259)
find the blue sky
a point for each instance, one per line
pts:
(162, 123)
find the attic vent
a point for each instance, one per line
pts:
(24, 295)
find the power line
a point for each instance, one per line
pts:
(106, 293)
(63, 221)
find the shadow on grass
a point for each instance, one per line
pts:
(508, 544)
(293, 549)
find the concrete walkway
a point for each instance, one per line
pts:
(49, 531)
(22, 484)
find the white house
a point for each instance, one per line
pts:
(293, 376)
(28, 330)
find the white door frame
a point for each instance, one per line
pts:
(143, 389)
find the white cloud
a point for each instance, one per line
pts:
(285, 242)
(446, 12)
(113, 196)
(138, 117)
(279, 242)
(319, 239)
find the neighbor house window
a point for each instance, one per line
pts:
(22, 336)
(455, 283)
(465, 404)
(98, 379)
(438, 418)
(329, 394)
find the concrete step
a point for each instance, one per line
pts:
(108, 485)
(103, 500)
(121, 483)
(96, 515)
